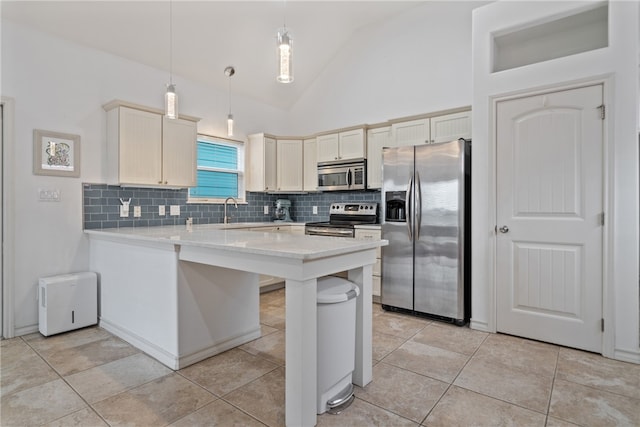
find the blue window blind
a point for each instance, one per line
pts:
(217, 171)
(217, 156)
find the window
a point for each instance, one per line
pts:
(220, 170)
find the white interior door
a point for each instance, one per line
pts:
(550, 216)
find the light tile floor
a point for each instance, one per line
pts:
(425, 373)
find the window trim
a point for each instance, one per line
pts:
(241, 146)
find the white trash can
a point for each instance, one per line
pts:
(336, 342)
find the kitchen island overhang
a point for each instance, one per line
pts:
(184, 295)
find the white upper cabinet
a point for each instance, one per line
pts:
(289, 165)
(180, 152)
(145, 149)
(328, 147)
(345, 145)
(432, 130)
(414, 132)
(451, 126)
(310, 167)
(261, 163)
(376, 139)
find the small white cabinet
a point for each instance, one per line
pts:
(377, 139)
(274, 165)
(289, 165)
(145, 148)
(344, 145)
(310, 167)
(261, 162)
(373, 234)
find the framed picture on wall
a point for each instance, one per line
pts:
(56, 153)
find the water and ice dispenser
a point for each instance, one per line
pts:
(395, 206)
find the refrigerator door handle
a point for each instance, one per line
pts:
(409, 208)
(418, 205)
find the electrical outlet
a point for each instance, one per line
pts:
(266, 210)
(124, 211)
(174, 210)
(137, 211)
(161, 211)
(315, 210)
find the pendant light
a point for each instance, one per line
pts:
(170, 96)
(229, 71)
(285, 64)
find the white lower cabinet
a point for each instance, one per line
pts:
(371, 234)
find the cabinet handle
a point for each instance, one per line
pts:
(159, 182)
(165, 182)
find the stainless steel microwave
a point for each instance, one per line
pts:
(342, 175)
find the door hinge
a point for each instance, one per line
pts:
(602, 109)
(602, 219)
(602, 325)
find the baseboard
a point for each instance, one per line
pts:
(190, 359)
(173, 361)
(26, 330)
(479, 326)
(627, 355)
(158, 353)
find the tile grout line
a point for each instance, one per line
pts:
(61, 377)
(553, 385)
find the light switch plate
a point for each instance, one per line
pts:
(137, 211)
(174, 210)
(266, 210)
(48, 195)
(161, 211)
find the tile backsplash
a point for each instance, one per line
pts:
(101, 206)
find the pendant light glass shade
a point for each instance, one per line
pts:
(171, 102)
(285, 64)
(230, 125)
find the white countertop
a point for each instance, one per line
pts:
(229, 238)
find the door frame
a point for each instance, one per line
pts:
(8, 212)
(608, 335)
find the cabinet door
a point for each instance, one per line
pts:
(310, 167)
(450, 127)
(179, 151)
(376, 140)
(289, 164)
(270, 162)
(414, 132)
(352, 144)
(140, 147)
(328, 147)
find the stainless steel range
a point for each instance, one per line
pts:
(343, 217)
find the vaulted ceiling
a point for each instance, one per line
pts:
(210, 35)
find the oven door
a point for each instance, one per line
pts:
(311, 230)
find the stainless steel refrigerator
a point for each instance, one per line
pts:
(426, 219)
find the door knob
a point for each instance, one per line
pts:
(504, 229)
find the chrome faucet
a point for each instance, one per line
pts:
(227, 218)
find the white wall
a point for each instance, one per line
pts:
(60, 86)
(417, 63)
(617, 65)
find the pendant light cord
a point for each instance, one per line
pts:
(170, 42)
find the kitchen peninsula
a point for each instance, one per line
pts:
(182, 295)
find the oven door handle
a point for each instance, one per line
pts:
(329, 232)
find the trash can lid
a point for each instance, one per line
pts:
(332, 290)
